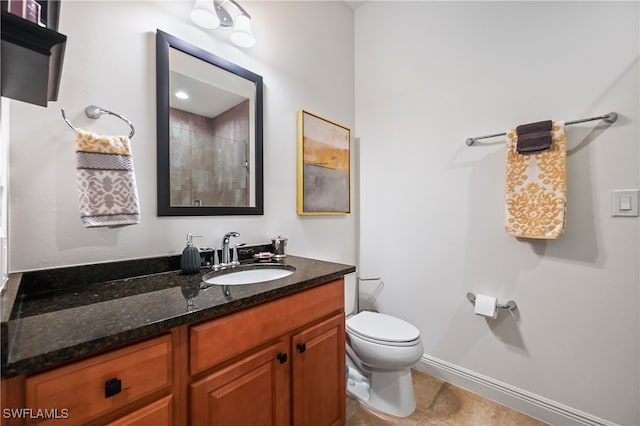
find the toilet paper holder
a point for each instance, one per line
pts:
(510, 305)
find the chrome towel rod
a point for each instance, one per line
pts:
(95, 112)
(608, 118)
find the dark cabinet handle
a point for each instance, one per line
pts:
(301, 347)
(112, 387)
(282, 357)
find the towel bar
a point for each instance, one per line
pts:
(608, 118)
(95, 112)
(510, 305)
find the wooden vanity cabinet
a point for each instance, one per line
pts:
(280, 363)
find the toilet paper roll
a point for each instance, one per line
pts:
(486, 306)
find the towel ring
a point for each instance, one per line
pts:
(95, 112)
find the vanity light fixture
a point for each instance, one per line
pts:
(225, 14)
(204, 14)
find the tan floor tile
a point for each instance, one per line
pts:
(427, 387)
(512, 417)
(441, 404)
(367, 416)
(447, 404)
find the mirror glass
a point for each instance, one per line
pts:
(209, 133)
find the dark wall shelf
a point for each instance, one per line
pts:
(32, 59)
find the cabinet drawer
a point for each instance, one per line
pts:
(157, 414)
(80, 388)
(222, 339)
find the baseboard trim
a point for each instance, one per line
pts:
(533, 405)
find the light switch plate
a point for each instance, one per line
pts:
(620, 200)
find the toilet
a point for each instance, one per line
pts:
(380, 350)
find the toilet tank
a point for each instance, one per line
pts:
(350, 294)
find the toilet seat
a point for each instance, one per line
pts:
(382, 329)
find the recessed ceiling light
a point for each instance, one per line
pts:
(181, 94)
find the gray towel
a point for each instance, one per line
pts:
(534, 137)
(107, 190)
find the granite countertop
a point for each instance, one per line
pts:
(52, 317)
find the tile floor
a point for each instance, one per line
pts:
(441, 404)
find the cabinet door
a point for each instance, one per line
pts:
(319, 374)
(252, 391)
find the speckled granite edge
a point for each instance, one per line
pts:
(7, 300)
(312, 273)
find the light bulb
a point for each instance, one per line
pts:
(204, 14)
(242, 35)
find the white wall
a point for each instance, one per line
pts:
(110, 62)
(431, 74)
(432, 208)
(4, 192)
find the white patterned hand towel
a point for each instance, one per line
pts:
(107, 190)
(536, 188)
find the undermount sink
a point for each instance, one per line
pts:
(250, 274)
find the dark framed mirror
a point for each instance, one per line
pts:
(209, 121)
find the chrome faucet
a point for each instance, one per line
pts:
(226, 255)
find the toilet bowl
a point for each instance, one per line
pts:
(380, 350)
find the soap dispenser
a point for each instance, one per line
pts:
(190, 259)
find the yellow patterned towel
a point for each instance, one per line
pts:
(107, 190)
(536, 188)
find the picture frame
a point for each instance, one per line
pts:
(324, 166)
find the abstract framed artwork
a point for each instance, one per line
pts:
(324, 166)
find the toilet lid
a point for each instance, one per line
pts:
(377, 326)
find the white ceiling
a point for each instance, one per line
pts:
(205, 98)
